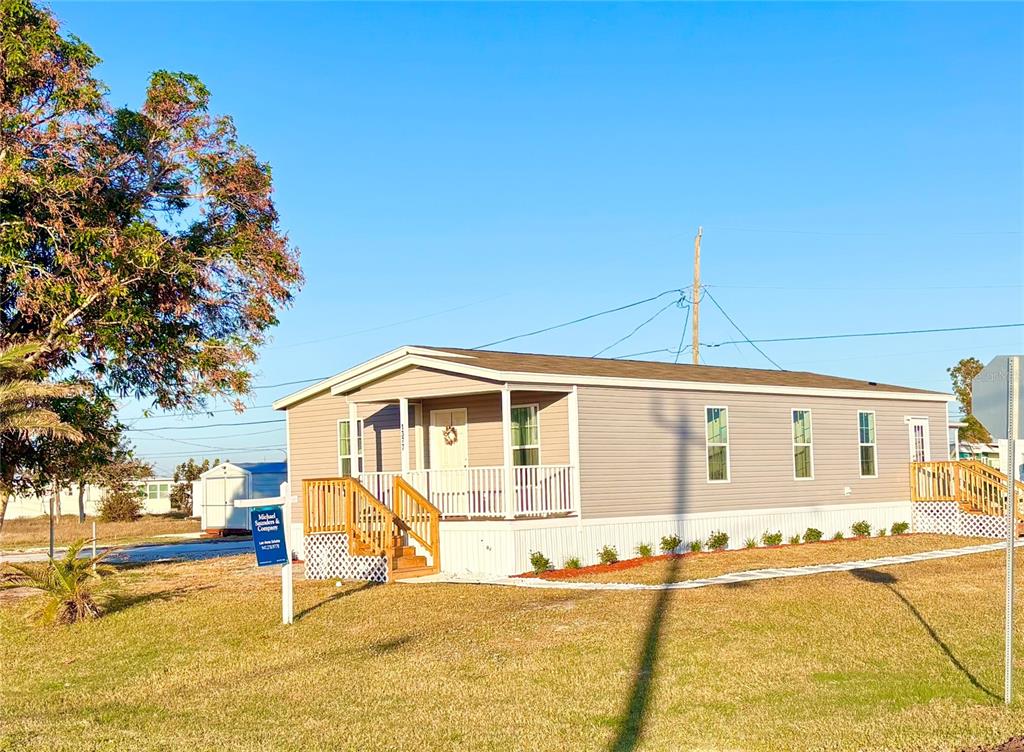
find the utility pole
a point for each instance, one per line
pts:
(696, 296)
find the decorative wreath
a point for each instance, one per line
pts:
(450, 435)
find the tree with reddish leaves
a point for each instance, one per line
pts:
(142, 249)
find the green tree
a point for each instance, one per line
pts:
(962, 376)
(122, 499)
(141, 248)
(27, 415)
(184, 474)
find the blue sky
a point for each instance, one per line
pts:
(855, 167)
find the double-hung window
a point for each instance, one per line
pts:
(866, 439)
(717, 439)
(525, 435)
(803, 453)
(345, 439)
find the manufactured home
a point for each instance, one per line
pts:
(466, 461)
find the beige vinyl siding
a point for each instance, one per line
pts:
(421, 382)
(642, 452)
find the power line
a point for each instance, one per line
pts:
(670, 351)
(579, 320)
(682, 335)
(291, 383)
(195, 412)
(638, 327)
(864, 288)
(742, 333)
(160, 437)
(855, 234)
(387, 326)
(276, 447)
(208, 425)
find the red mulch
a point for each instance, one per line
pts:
(566, 574)
(1016, 744)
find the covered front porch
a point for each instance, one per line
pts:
(474, 450)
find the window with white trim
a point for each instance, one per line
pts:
(345, 446)
(866, 440)
(803, 453)
(525, 435)
(717, 440)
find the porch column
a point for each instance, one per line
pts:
(403, 422)
(574, 449)
(508, 482)
(353, 438)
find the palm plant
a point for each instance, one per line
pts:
(71, 584)
(24, 400)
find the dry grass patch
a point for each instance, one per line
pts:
(34, 532)
(699, 566)
(193, 657)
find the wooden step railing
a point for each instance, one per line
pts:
(420, 519)
(975, 486)
(370, 525)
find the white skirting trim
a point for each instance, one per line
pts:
(327, 558)
(502, 548)
(947, 517)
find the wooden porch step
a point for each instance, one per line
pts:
(410, 561)
(405, 574)
(401, 551)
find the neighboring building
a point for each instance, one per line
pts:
(563, 455)
(156, 499)
(215, 493)
(987, 453)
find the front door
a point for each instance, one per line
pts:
(449, 461)
(918, 431)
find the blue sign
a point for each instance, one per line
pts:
(268, 535)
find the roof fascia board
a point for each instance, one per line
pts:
(327, 383)
(519, 378)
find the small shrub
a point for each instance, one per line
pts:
(812, 535)
(539, 562)
(750, 543)
(900, 528)
(794, 539)
(608, 555)
(880, 532)
(772, 539)
(645, 550)
(839, 535)
(696, 547)
(70, 583)
(717, 541)
(572, 562)
(121, 505)
(670, 543)
(861, 529)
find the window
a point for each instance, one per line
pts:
(866, 428)
(717, 419)
(525, 435)
(803, 454)
(345, 446)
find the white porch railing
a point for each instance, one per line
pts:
(540, 490)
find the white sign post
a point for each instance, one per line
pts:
(270, 534)
(995, 402)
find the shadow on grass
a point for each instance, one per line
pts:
(342, 593)
(676, 432)
(889, 581)
(122, 601)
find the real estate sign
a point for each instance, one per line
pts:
(990, 393)
(268, 535)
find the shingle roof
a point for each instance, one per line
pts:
(642, 369)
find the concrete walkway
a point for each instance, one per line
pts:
(751, 575)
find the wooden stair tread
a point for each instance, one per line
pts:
(409, 562)
(405, 574)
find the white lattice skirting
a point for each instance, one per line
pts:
(947, 518)
(327, 558)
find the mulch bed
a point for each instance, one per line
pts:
(1016, 744)
(568, 574)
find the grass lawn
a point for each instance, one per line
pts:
(33, 532)
(193, 657)
(711, 564)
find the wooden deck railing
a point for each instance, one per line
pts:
(977, 487)
(323, 505)
(419, 518)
